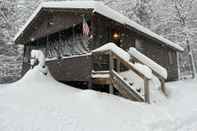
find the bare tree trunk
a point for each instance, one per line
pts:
(191, 59)
(183, 21)
(178, 64)
(7, 21)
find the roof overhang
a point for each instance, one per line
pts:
(102, 9)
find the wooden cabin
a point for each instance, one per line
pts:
(56, 28)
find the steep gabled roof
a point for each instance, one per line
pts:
(102, 9)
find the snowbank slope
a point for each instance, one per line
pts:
(38, 102)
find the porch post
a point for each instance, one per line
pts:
(146, 90)
(111, 67)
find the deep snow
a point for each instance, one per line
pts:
(39, 103)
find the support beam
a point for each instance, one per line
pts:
(178, 66)
(146, 90)
(111, 89)
(111, 67)
(118, 65)
(163, 86)
(90, 84)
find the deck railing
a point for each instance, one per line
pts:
(116, 57)
(160, 72)
(118, 82)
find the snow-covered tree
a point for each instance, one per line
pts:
(6, 22)
(23, 11)
(143, 10)
(175, 20)
(138, 10)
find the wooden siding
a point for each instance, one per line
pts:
(154, 50)
(101, 28)
(68, 69)
(49, 23)
(71, 69)
(159, 54)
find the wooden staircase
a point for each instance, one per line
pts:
(115, 80)
(125, 88)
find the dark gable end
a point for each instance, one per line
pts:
(49, 21)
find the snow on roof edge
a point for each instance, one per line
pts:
(102, 9)
(28, 22)
(71, 4)
(154, 35)
(112, 14)
(55, 4)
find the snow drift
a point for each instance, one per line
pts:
(38, 102)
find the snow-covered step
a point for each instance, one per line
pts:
(101, 77)
(125, 88)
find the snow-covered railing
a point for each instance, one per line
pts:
(121, 56)
(142, 72)
(158, 70)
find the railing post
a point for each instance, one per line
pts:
(146, 90)
(92, 68)
(118, 65)
(163, 87)
(111, 67)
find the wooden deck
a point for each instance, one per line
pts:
(81, 69)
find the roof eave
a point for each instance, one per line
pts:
(99, 8)
(20, 32)
(46, 5)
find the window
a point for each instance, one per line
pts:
(170, 57)
(138, 45)
(27, 50)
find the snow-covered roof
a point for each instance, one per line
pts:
(100, 8)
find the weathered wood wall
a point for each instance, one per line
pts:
(102, 28)
(160, 54)
(151, 48)
(71, 69)
(49, 22)
(77, 68)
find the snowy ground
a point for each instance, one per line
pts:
(39, 103)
